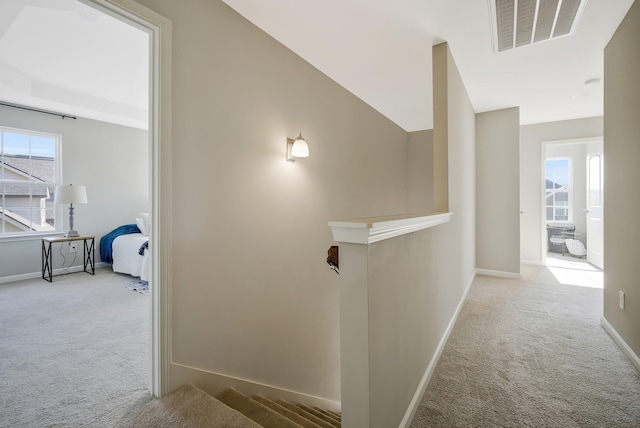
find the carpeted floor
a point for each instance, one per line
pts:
(531, 353)
(73, 353)
(523, 353)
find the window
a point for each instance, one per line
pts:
(29, 172)
(558, 190)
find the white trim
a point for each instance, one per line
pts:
(626, 349)
(160, 84)
(57, 179)
(569, 190)
(26, 236)
(56, 272)
(498, 273)
(215, 383)
(531, 262)
(543, 203)
(375, 229)
(424, 382)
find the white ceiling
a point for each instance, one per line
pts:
(380, 50)
(63, 55)
(67, 57)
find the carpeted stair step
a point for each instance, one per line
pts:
(186, 407)
(328, 413)
(255, 411)
(337, 416)
(295, 417)
(320, 415)
(318, 421)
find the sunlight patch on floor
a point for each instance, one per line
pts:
(571, 271)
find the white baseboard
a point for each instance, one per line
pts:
(531, 262)
(215, 383)
(621, 343)
(424, 382)
(498, 273)
(33, 275)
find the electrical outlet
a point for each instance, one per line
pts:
(621, 303)
(73, 247)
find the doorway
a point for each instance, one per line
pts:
(572, 201)
(159, 30)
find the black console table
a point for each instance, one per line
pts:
(88, 253)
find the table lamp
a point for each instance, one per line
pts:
(71, 195)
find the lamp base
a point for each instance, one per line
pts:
(71, 234)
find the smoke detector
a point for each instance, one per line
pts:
(592, 82)
(518, 23)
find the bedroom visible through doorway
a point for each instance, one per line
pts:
(93, 61)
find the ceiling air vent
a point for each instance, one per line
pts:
(518, 23)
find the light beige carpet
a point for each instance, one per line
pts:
(531, 353)
(73, 353)
(255, 411)
(303, 422)
(304, 414)
(190, 407)
(187, 407)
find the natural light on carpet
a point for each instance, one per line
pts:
(575, 272)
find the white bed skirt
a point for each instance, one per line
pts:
(126, 258)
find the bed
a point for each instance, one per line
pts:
(127, 258)
(126, 248)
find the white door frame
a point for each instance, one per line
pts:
(159, 29)
(595, 228)
(543, 204)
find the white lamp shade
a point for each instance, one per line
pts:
(71, 195)
(300, 148)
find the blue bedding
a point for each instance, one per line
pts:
(106, 251)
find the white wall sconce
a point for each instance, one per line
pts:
(297, 148)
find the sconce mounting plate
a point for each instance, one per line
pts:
(290, 142)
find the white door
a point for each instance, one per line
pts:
(595, 199)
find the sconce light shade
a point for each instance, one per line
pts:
(300, 148)
(297, 148)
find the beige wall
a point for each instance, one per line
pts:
(621, 178)
(417, 282)
(461, 153)
(112, 161)
(420, 171)
(532, 138)
(411, 302)
(498, 191)
(400, 296)
(440, 77)
(252, 295)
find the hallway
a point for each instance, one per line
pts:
(532, 352)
